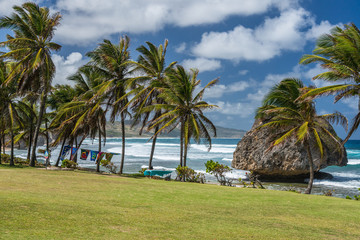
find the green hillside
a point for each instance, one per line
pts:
(114, 130)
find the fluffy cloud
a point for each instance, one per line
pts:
(6, 6)
(285, 32)
(219, 90)
(317, 30)
(242, 110)
(202, 64)
(66, 66)
(180, 48)
(87, 21)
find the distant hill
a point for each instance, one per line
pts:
(114, 130)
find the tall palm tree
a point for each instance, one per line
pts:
(31, 48)
(339, 53)
(112, 62)
(282, 109)
(184, 107)
(152, 64)
(60, 95)
(9, 108)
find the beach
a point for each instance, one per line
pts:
(346, 179)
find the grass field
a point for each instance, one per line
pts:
(41, 204)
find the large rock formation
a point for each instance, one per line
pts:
(286, 160)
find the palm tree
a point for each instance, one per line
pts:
(31, 48)
(9, 108)
(151, 63)
(185, 108)
(60, 95)
(29, 118)
(339, 53)
(112, 62)
(84, 115)
(283, 109)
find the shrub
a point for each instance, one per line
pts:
(189, 175)
(68, 164)
(219, 171)
(142, 170)
(109, 165)
(254, 180)
(329, 193)
(5, 158)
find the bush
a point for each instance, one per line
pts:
(329, 193)
(109, 165)
(189, 175)
(5, 158)
(219, 171)
(68, 164)
(254, 180)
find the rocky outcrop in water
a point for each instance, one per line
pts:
(284, 161)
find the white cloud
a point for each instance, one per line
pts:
(243, 72)
(219, 90)
(180, 48)
(66, 66)
(202, 64)
(7, 6)
(266, 41)
(320, 29)
(242, 110)
(86, 21)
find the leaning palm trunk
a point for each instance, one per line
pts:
(0, 146)
(61, 150)
(12, 148)
(153, 148)
(311, 180)
(98, 158)
(123, 142)
(47, 161)
(4, 145)
(37, 129)
(30, 141)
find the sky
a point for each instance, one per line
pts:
(250, 45)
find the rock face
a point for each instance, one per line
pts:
(284, 161)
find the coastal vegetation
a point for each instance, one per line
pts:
(282, 108)
(158, 96)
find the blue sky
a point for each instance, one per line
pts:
(249, 44)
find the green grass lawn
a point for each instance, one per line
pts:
(42, 204)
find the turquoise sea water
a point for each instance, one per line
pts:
(346, 179)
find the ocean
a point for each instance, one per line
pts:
(346, 179)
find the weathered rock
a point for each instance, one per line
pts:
(286, 160)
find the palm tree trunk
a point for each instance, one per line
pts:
(30, 141)
(123, 142)
(47, 144)
(61, 150)
(311, 164)
(98, 160)
(37, 129)
(4, 145)
(181, 143)
(153, 148)
(12, 148)
(185, 153)
(0, 145)
(76, 155)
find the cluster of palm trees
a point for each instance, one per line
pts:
(160, 97)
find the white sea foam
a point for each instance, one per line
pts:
(346, 184)
(159, 168)
(353, 161)
(346, 174)
(227, 159)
